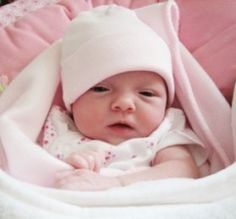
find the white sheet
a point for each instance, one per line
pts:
(209, 197)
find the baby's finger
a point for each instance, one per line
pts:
(98, 160)
(78, 161)
(89, 157)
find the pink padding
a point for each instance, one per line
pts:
(207, 29)
(28, 36)
(125, 3)
(9, 13)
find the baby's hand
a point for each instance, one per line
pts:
(85, 180)
(91, 160)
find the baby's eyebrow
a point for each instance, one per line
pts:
(102, 84)
(99, 83)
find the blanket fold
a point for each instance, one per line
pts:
(23, 110)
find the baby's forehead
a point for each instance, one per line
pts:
(135, 76)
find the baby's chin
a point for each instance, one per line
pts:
(116, 141)
(113, 140)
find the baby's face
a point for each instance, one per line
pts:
(124, 106)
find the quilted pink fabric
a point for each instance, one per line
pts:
(11, 12)
(24, 39)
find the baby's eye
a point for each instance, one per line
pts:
(147, 93)
(99, 89)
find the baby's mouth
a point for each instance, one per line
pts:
(121, 125)
(122, 130)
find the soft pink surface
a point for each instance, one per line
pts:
(125, 3)
(207, 29)
(28, 36)
(9, 13)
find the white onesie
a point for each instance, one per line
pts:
(61, 138)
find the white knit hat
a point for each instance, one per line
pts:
(106, 41)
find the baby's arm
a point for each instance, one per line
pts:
(175, 161)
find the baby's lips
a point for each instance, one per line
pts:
(121, 125)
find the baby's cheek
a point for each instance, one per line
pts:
(153, 122)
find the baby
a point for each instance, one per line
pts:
(118, 85)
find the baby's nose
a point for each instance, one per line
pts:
(123, 103)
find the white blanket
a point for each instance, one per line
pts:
(209, 197)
